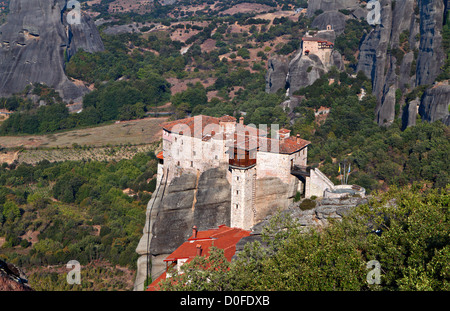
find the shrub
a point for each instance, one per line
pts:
(297, 196)
(307, 204)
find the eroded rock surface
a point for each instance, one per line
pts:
(35, 43)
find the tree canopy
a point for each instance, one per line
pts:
(405, 230)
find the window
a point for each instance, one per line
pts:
(237, 177)
(236, 206)
(237, 191)
(192, 164)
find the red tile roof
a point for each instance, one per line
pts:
(317, 39)
(179, 126)
(223, 237)
(227, 118)
(284, 131)
(284, 146)
(246, 137)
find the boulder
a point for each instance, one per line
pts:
(278, 68)
(12, 278)
(435, 104)
(330, 5)
(335, 19)
(303, 71)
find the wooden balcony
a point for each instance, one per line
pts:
(242, 163)
(242, 158)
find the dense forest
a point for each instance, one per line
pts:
(77, 210)
(405, 230)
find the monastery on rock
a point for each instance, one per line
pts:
(277, 165)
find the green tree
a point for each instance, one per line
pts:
(406, 230)
(10, 211)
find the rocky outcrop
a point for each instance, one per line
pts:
(35, 43)
(387, 53)
(84, 36)
(203, 201)
(316, 217)
(12, 278)
(410, 113)
(431, 55)
(334, 19)
(435, 104)
(330, 5)
(303, 71)
(278, 68)
(272, 194)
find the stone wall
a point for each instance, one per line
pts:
(186, 154)
(279, 165)
(316, 184)
(243, 191)
(313, 48)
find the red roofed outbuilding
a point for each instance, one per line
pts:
(199, 244)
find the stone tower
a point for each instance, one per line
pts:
(243, 191)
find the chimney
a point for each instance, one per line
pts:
(241, 120)
(283, 133)
(298, 138)
(199, 250)
(194, 232)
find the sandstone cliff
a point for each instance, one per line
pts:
(278, 68)
(203, 201)
(404, 51)
(435, 104)
(35, 42)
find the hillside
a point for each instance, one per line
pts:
(79, 129)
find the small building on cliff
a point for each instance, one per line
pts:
(199, 244)
(318, 46)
